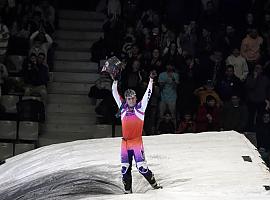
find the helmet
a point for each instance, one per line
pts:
(130, 93)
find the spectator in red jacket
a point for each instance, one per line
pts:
(208, 116)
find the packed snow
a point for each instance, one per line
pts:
(204, 166)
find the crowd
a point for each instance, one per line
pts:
(212, 60)
(27, 29)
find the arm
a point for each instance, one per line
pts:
(245, 70)
(147, 95)
(32, 37)
(116, 95)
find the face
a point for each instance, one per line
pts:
(267, 17)
(173, 47)
(33, 59)
(253, 33)
(229, 30)
(235, 101)
(209, 5)
(163, 28)
(236, 52)
(266, 118)
(155, 53)
(135, 50)
(167, 117)
(169, 68)
(145, 31)
(249, 17)
(218, 56)
(136, 65)
(258, 69)
(130, 30)
(229, 72)
(193, 24)
(187, 117)
(205, 32)
(155, 31)
(131, 101)
(41, 59)
(211, 103)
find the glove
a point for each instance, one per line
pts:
(153, 74)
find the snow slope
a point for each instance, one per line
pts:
(205, 166)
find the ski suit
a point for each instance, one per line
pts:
(132, 145)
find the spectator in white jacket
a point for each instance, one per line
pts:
(40, 42)
(239, 63)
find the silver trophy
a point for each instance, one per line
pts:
(113, 66)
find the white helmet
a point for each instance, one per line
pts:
(130, 93)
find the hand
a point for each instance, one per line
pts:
(153, 74)
(255, 74)
(168, 42)
(267, 107)
(209, 117)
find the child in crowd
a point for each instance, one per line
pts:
(187, 125)
(208, 115)
(166, 125)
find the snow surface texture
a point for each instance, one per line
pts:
(205, 166)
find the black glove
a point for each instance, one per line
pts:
(153, 74)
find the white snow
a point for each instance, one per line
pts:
(204, 166)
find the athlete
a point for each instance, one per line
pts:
(132, 117)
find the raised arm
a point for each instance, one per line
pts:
(116, 95)
(148, 92)
(147, 95)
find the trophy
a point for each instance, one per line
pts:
(113, 66)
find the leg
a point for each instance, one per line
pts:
(126, 161)
(171, 107)
(143, 168)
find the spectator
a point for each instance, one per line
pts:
(155, 63)
(205, 43)
(187, 125)
(164, 36)
(234, 115)
(40, 42)
(208, 116)
(190, 81)
(239, 63)
(166, 125)
(187, 39)
(265, 29)
(132, 78)
(212, 67)
(263, 132)
(36, 77)
(3, 75)
(114, 8)
(257, 88)
(249, 23)
(206, 90)
(171, 54)
(251, 47)
(229, 85)
(168, 82)
(47, 14)
(209, 18)
(4, 36)
(102, 88)
(19, 40)
(229, 41)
